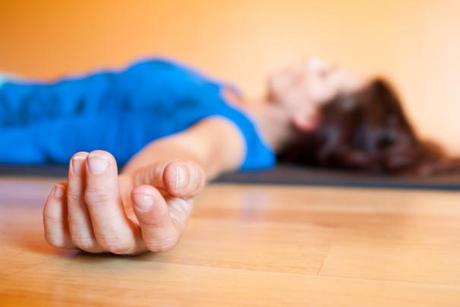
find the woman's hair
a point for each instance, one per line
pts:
(367, 131)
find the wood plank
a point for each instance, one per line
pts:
(249, 245)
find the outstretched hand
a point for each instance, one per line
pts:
(97, 210)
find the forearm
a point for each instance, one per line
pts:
(213, 144)
(168, 149)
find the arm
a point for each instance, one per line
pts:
(215, 144)
(146, 207)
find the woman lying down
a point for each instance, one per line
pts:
(174, 129)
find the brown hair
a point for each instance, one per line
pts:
(367, 131)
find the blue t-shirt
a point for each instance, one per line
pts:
(117, 111)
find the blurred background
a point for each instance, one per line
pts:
(416, 44)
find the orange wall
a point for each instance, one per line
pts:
(415, 43)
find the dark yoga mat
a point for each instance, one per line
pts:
(287, 175)
(291, 175)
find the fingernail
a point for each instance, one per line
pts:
(181, 176)
(143, 202)
(58, 191)
(97, 164)
(76, 163)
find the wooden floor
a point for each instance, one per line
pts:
(250, 245)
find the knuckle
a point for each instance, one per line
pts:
(96, 197)
(161, 245)
(73, 196)
(115, 245)
(85, 243)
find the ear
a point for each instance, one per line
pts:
(304, 122)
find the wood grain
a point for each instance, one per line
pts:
(249, 245)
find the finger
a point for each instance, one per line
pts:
(113, 231)
(80, 227)
(183, 179)
(55, 218)
(158, 230)
(179, 211)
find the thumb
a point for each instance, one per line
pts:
(159, 232)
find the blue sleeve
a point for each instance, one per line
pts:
(208, 101)
(118, 111)
(198, 96)
(258, 155)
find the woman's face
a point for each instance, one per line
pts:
(304, 88)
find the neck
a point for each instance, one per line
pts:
(272, 121)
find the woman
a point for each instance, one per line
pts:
(175, 129)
